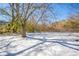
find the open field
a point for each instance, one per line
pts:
(36, 44)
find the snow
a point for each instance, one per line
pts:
(45, 44)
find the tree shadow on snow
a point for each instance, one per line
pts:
(14, 54)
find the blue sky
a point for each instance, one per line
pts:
(62, 11)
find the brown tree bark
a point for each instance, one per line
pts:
(23, 30)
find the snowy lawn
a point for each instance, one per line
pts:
(40, 44)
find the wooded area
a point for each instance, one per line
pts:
(23, 19)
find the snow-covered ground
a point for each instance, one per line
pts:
(40, 44)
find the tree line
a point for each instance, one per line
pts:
(26, 18)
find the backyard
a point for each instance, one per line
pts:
(39, 29)
(40, 44)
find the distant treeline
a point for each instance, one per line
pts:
(70, 25)
(31, 17)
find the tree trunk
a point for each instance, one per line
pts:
(23, 30)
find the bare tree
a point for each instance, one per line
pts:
(22, 12)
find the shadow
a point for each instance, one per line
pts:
(68, 46)
(6, 45)
(34, 34)
(30, 37)
(64, 43)
(14, 54)
(41, 39)
(59, 41)
(71, 44)
(37, 50)
(40, 49)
